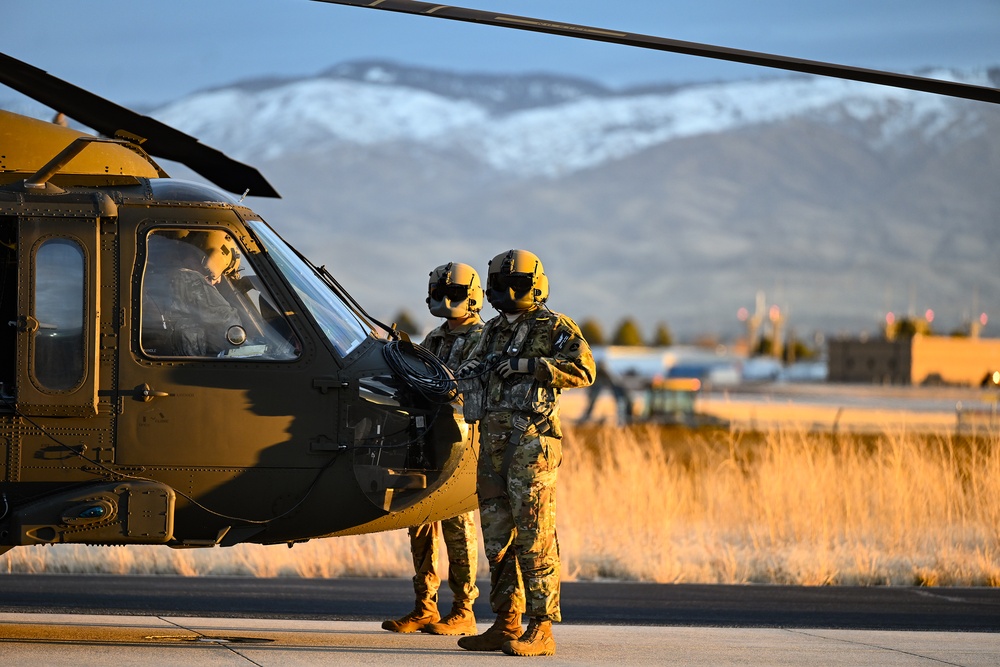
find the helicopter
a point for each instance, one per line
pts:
(178, 374)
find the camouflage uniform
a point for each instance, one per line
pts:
(520, 452)
(200, 314)
(451, 346)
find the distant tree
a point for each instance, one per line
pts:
(662, 337)
(404, 322)
(592, 332)
(764, 346)
(797, 350)
(628, 333)
(909, 327)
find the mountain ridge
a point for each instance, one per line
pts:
(571, 132)
(674, 204)
(839, 200)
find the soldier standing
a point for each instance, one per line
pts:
(525, 357)
(456, 294)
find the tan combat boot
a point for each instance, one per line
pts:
(536, 640)
(461, 621)
(424, 612)
(506, 627)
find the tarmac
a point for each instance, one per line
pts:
(123, 641)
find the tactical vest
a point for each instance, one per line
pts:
(529, 337)
(449, 349)
(451, 346)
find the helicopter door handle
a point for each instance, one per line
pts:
(25, 323)
(325, 384)
(146, 393)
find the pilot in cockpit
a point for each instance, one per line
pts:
(201, 316)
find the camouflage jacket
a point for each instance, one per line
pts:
(201, 316)
(452, 346)
(563, 360)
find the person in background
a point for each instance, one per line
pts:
(606, 378)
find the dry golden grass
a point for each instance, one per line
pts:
(653, 504)
(784, 507)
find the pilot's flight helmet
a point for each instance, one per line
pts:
(222, 256)
(454, 291)
(516, 281)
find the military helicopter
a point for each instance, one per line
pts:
(176, 373)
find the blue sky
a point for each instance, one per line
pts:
(148, 52)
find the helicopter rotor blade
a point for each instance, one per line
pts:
(108, 118)
(937, 86)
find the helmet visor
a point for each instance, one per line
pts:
(453, 292)
(518, 283)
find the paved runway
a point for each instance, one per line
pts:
(590, 603)
(123, 641)
(116, 621)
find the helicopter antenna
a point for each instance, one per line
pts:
(923, 84)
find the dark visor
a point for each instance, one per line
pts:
(453, 292)
(519, 283)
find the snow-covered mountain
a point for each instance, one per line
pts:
(538, 126)
(668, 204)
(840, 200)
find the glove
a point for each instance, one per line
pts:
(470, 367)
(514, 366)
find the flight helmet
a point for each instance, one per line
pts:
(516, 281)
(221, 255)
(454, 291)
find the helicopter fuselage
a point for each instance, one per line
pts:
(175, 373)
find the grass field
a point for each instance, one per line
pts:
(784, 507)
(672, 505)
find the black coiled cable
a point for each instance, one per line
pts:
(421, 370)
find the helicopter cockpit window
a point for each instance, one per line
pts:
(59, 351)
(201, 297)
(339, 323)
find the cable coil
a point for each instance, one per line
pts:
(421, 370)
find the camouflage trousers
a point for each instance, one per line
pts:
(463, 557)
(517, 508)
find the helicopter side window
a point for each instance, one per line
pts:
(201, 297)
(59, 350)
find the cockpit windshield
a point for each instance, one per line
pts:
(339, 323)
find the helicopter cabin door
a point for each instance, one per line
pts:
(211, 378)
(56, 323)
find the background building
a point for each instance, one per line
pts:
(917, 360)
